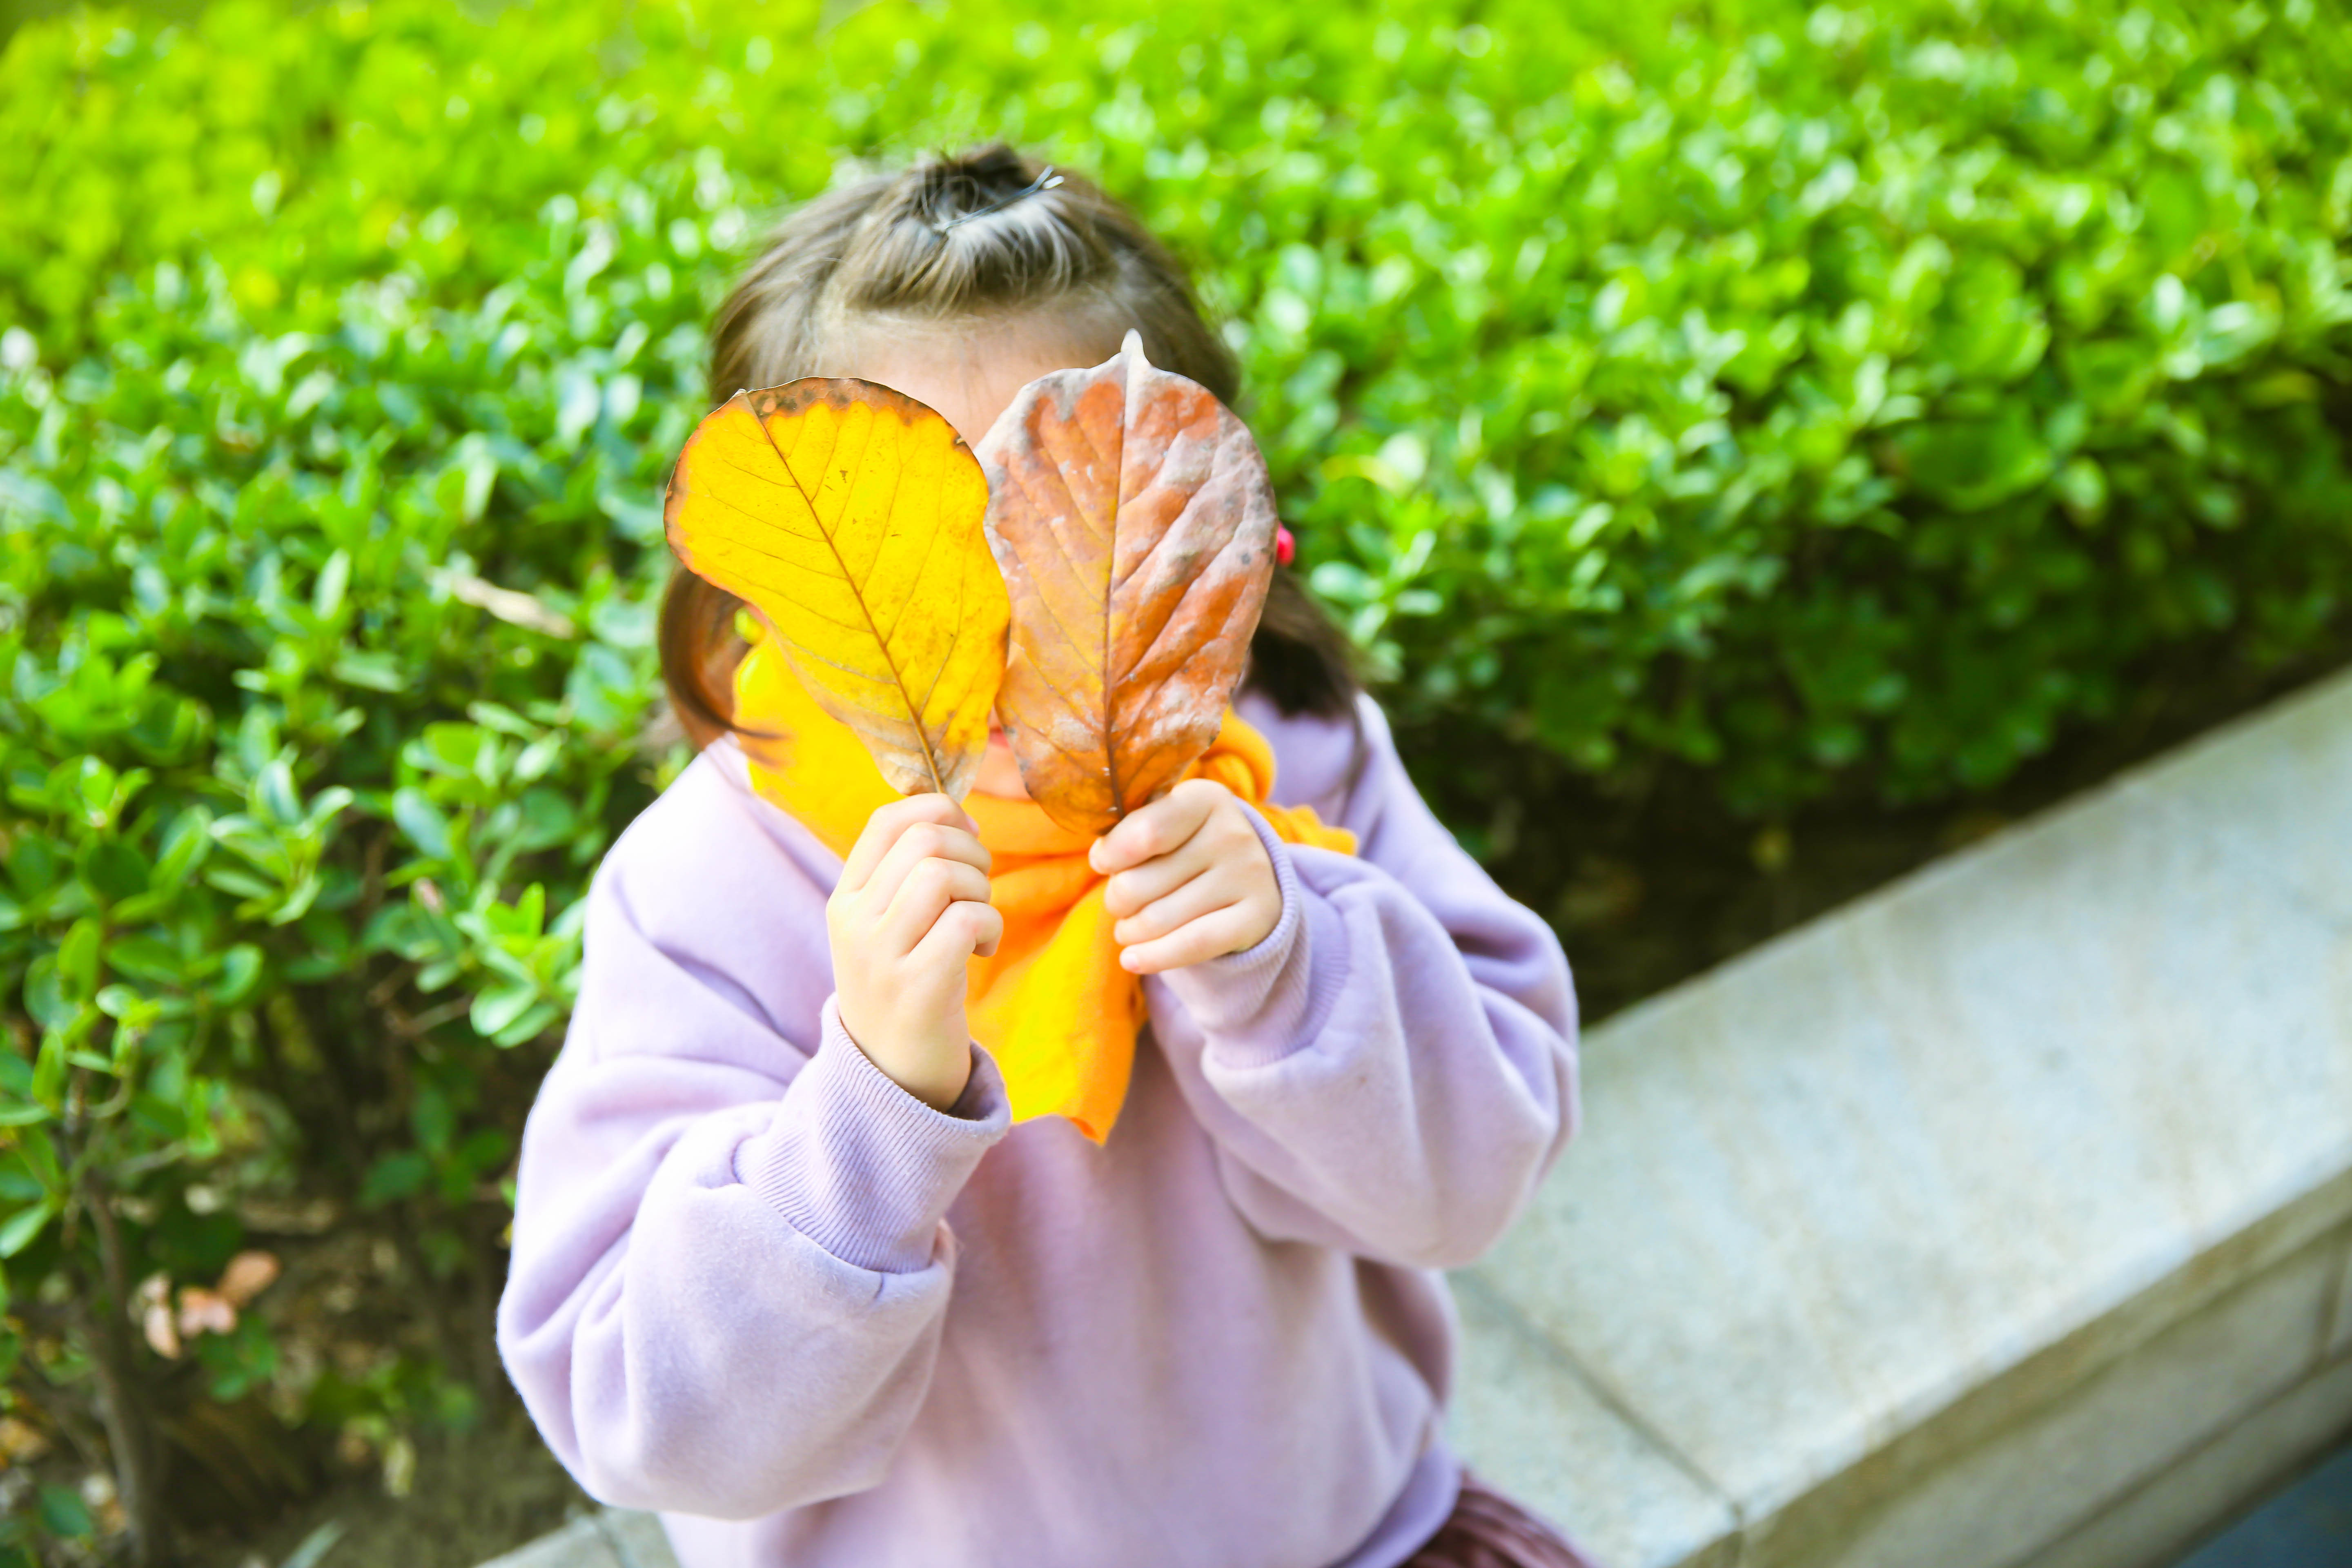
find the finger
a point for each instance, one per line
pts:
(929, 889)
(1155, 829)
(1211, 936)
(1205, 894)
(883, 828)
(963, 929)
(922, 842)
(1135, 888)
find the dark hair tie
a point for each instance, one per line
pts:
(1045, 181)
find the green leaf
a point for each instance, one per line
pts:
(23, 1114)
(33, 866)
(402, 1175)
(499, 1007)
(275, 796)
(21, 1228)
(311, 1551)
(326, 594)
(240, 972)
(185, 844)
(1976, 464)
(45, 997)
(373, 670)
(527, 1027)
(425, 825)
(63, 1513)
(148, 958)
(78, 958)
(326, 806)
(242, 884)
(114, 871)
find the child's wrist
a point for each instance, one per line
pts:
(932, 1071)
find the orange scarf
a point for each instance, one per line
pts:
(1053, 1006)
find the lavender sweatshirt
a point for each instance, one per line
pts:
(759, 1288)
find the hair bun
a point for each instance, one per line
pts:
(954, 189)
(996, 163)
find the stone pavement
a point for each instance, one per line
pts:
(2003, 1217)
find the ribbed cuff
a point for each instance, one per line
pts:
(1263, 1003)
(860, 1166)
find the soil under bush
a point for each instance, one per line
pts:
(476, 1494)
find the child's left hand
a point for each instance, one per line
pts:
(1190, 880)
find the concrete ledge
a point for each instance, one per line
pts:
(607, 1540)
(2001, 1217)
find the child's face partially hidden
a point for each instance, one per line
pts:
(969, 374)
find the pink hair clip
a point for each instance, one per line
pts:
(1285, 546)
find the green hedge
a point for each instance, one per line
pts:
(1806, 394)
(1819, 395)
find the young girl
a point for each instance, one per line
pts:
(783, 1266)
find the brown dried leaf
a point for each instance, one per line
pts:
(1131, 514)
(248, 1274)
(155, 1322)
(204, 1312)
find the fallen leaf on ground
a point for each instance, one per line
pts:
(155, 1323)
(248, 1274)
(21, 1443)
(204, 1312)
(154, 1298)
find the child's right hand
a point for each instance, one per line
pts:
(910, 909)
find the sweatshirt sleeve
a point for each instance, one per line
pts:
(1393, 1070)
(731, 1259)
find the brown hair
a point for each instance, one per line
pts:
(988, 233)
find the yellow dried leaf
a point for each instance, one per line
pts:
(848, 517)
